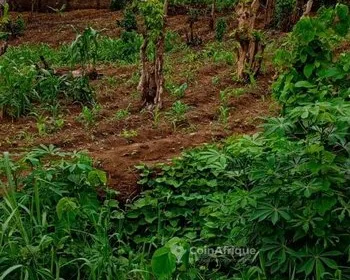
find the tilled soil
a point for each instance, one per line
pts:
(155, 141)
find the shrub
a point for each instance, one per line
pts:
(52, 220)
(125, 50)
(312, 71)
(129, 22)
(220, 29)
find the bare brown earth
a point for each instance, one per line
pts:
(154, 142)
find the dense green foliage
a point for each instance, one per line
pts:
(53, 224)
(314, 71)
(284, 192)
(220, 4)
(23, 84)
(129, 22)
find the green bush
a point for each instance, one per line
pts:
(129, 22)
(313, 71)
(53, 223)
(124, 50)
(220, 29)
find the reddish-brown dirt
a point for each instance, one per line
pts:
(155, 142)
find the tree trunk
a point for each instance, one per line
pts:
(98, 4)
(147, 83)
(270, 8)
(159, 62)
(249, 45)
(242, 57)
(308, 7)
(254, 8)
(253, 42)
(32, 9)
(151, 85)
(212, 16)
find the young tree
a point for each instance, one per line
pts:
(251, 46)
(193, 39)
(151, 85)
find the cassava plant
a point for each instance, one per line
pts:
(311, 69)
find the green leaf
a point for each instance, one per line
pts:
(319, 270)
(9, 270)
(97, 177)
(308, 69)
(324, 204)
(65, 205)
(163, 262)
(308, 266)
(304, 84)
(274, 218)
(329, 262)
(342, 12)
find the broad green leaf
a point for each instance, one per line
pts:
(8, 271)
(97, 177)
(308, 69)
(304, 84)
(342, 12)
(65, 205)
(163, 262)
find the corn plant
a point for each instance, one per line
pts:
(84, 48)
(88, 116)
(122, 114)
(177, 114)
